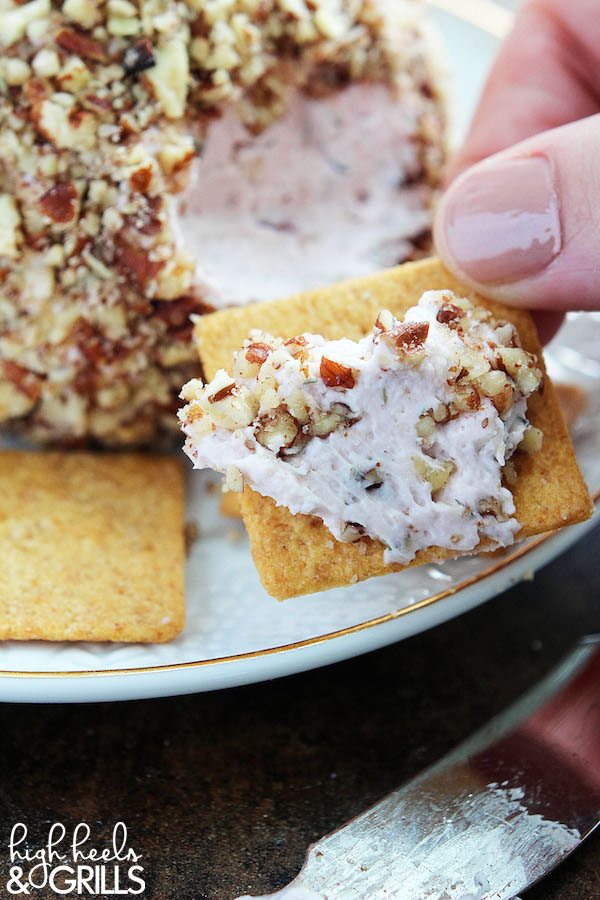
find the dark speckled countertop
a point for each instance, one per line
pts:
(223, 792)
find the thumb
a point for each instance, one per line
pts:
(523, 226)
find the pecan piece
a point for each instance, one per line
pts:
(257, 353)
(222, 393)
(450, 315)
(75, 42)
(147, 219)
(23, 379)
(384, 321)
(491, 506)
(140, 179)
(335, 375)
(411, 336)
(60, 202)
(136, 266)
(278, 430)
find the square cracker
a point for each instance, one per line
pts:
(297, 554)
(91, 547)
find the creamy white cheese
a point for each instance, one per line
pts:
(369, 470)
(319, 197)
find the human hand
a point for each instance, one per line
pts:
(523, 226)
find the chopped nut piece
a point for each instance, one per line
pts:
(497, 386)
(492, 383)
(82, 12)
(336, 375)
(520, 366)
(55, 256)
(532, 440)
(234, 480)
(435, 472)
(169, 77)
(175, 157)
(10, 221)
(425, 426)
(222, 393)
(297, 404)
(46, 63)
(14, 71)
(191, 390)
(411, 337)
(529, 380)
(331, 23)
(325, 424)
(67, 130)
(373, 479)
(174, 278)
(60, 203)
(235, 409)
(257, 353)
(441, 413)
(385, 320)
(123, 27)
(467, 399)
(451, 315)
(135, 265)
(407, 339)
(25, 381)
(122, 8)
(491, 506)
(81, 45)
(74, 75)
(13, 399)
(277, 430)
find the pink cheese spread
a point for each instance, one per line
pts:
(402, 436)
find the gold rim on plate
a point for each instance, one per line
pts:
(497, 21)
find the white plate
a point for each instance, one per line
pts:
(236, 634)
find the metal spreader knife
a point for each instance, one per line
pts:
(490, 819)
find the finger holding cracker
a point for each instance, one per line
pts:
(381, 423)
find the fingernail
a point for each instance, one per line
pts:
(500, 223)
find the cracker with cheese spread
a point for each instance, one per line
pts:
(381, 423)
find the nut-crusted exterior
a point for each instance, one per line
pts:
(103, 107)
